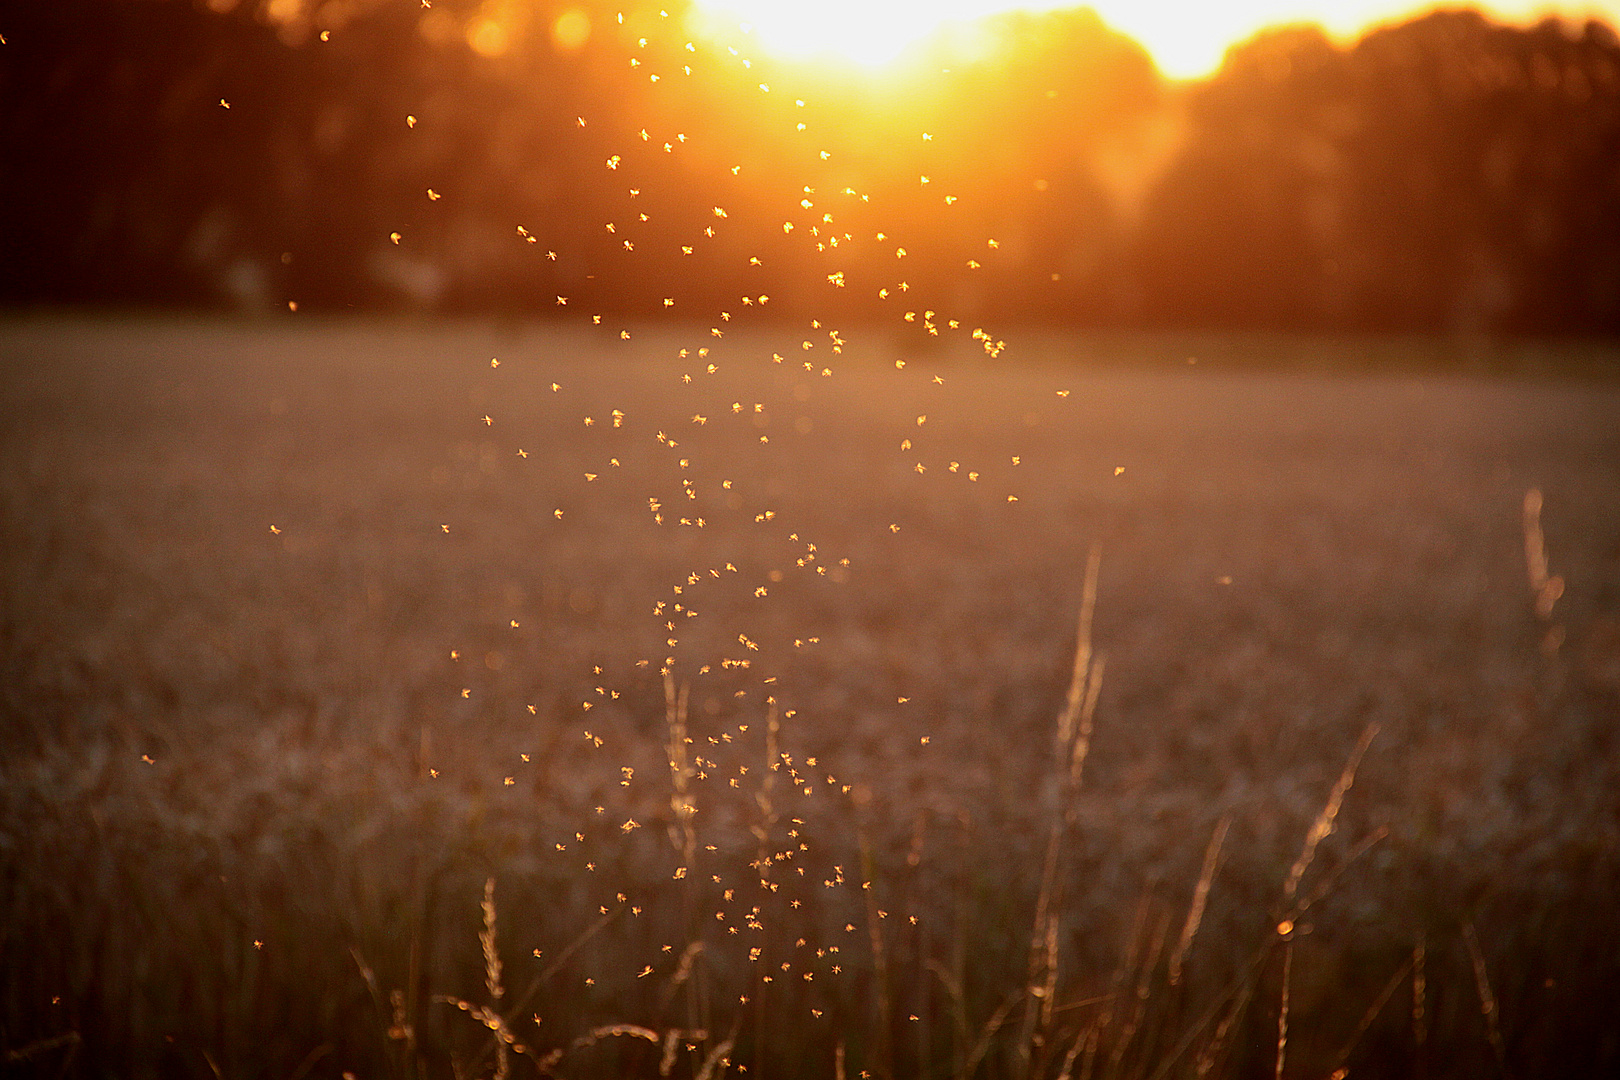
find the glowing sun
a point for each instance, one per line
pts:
(1186, 38)
(868, 32)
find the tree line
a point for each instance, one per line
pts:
(1443, 174)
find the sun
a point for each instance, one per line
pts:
(1186, 38)
(870, 33)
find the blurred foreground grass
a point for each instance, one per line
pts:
(255, 779)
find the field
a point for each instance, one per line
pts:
(313, 632)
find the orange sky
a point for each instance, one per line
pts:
(1187, 39)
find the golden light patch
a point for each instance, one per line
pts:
(488, 37)
(571, 31)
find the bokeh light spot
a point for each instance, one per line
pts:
(571, 30)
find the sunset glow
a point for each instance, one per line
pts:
(1186, 39)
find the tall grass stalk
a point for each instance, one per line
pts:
(1322, 827)
(1195, 910)
(1073, 744)
(1282, 1008)
(502, 1041)
(1487, 1000)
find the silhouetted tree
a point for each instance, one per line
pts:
(1442, 174)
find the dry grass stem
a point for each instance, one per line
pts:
(1074, 730)
(1232, 1001)
(682, 835)
(615, 1031)
(1322, 827)
(1082, 653)
(486, 939)
(714, 1064)
(1329, 880)
(1219, 1041)
(1420, 988)
(1487, 1000)
(1282, 1008)
(1086, 1037)
(1545, 588)
(1195, 910)
(883, 1039)
(40, 1047)
(1139, 1002)
(1372, 1012)
(987, 1034)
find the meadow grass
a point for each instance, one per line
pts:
(300, 779)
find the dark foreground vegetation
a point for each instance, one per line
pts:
(1441, 175)
(299, 656)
